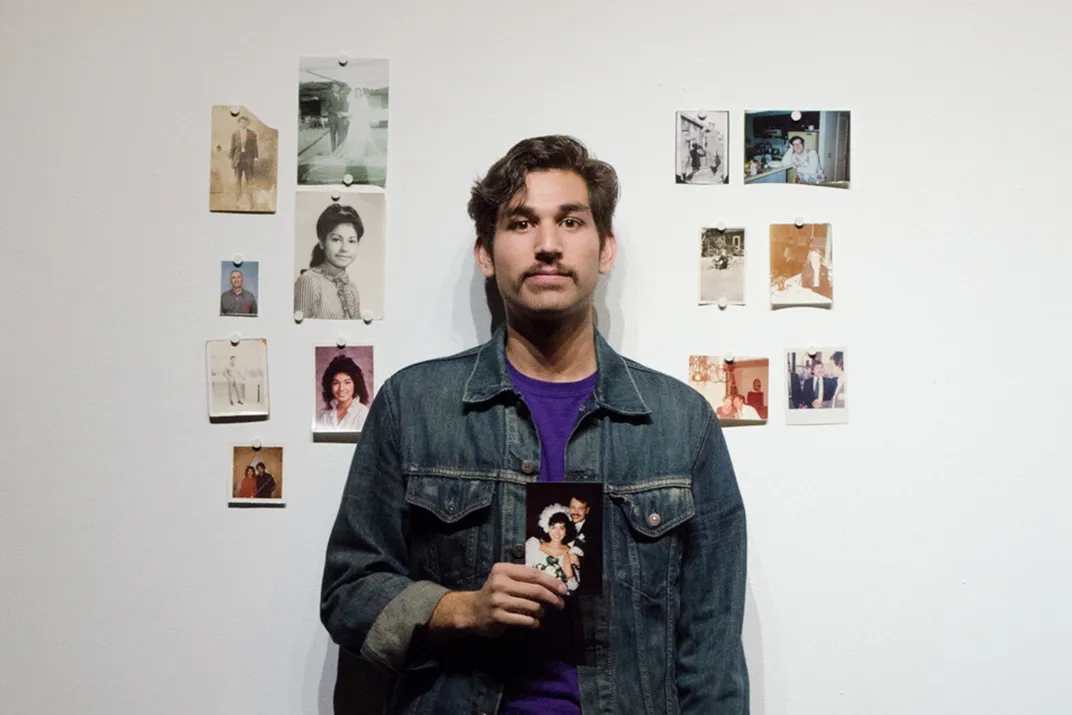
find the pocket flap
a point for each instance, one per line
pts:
(449, 498)
(655, 510)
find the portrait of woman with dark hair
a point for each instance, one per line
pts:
(325, 290)
(344, 395)
(248, 487)
(554, 550)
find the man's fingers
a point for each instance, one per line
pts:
(503, 603)
(535, 592)
(531, 575)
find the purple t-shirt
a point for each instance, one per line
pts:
(549, 686)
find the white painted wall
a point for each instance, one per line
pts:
(912, 562)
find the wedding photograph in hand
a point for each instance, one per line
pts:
(564, 533)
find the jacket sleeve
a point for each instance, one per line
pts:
(369, 605)
(712, 677)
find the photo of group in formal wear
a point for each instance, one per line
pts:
(343, 390)
(802, 265)
(257, 475)
(722, 266)
(239, 284)
(564, 528)
(342, 121)
(816, 387)
(702, 141)
(339, 255)
(244, 166)
(237, 378)
(797, 147)
(736, 390)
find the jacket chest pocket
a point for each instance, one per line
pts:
(650, 521)
(449, 528)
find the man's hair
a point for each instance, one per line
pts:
(580, 499)
(797, 139)
(235, 270)
(260, 465)
(838, 358)
(506, 178)
(346, 365)
(244, 119)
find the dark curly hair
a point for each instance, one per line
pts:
(506, 178)
(343, 364)
(560, 518)
(333, 216)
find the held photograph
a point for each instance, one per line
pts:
(564, 527)
(801, 265)
(339, 255)
(257, 476)
(244, 165)
(237, 379)
(342, 121)
(722, 267)
(239, 286)
(816, 387)
(797, 147)
(702, 147)
(737, 390)
(343, 389)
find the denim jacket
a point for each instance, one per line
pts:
(436, 495)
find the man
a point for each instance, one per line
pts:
(755, 398)
(743, 411)
(265, 483)
(231, 375)
(238, 300)
(243, 155)
(424, 574)
(815, 274)
(819, 390)
(337, 106)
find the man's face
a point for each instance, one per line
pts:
(232, 360)
(757, 385)
(738, 401)
(260, 468)
(797, 145)
(817, 369)
(236, 279)
(546, 257)
(578, 510)
(243, 123)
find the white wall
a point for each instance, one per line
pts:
(919, 566)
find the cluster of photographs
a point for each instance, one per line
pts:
(340, 230)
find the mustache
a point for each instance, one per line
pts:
(543, 269)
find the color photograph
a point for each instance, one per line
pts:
(816, 387)
(239, 284)
(343, 387)
(257, 476)
(564, 526)
(802, 265)
(737, 390)
(797, 147)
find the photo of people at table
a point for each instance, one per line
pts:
(797, 147)
(737, 389)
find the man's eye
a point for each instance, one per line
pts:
(572, 222)
(520, 225)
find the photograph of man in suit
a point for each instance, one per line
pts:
(243, 155)
(337, 108)
(815, 274)
(818, 392)
(265, 483)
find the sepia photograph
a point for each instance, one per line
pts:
(342, 121)
(343, 390)
(737, 391)
(339, 255)
(257, 476)
(816, 387)
(722, 266)
(237, 378)
(783, 147)
(244, 166)
(238, 285)
(702, 147)
(564, 533)
(802, 265)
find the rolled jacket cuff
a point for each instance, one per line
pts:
(388, 641)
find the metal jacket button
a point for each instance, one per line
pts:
(654, 519)
(518, 551)
(528, 466)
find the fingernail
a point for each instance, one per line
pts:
(562, 589)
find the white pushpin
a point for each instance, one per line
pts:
(720, 226)
(237, 260)
(341, 341)
(235, 110)
(722, 303)
(796, 115)
(256, 443)
(298, 316)
(235, 338)
(812, 350)
(799, 222)
(728, 357)
(367, 315)
(343, 59)
(335, 195)
(347, 179)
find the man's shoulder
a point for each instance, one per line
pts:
(436, 376)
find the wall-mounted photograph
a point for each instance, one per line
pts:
(343, 389)
(702, 147)
(802, 265)
(239, 287)
(737, 390)
(244, 165)
(797, 147)
(722, 266)
(237, 378)
(257, 476)
(816, 387)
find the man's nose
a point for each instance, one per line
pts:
(548, 240)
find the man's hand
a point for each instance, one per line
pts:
(512, 595)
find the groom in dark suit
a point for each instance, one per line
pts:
(818, 392)
(243, 153)
(337, 107)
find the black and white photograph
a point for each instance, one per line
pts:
(343, 391)
(339, 255)
(722, 266)
(564, 527)
(257, 476)
(239, 286)
(702, 147)
(237, 378)
(738, 390)
(802, 265)
(797, 147)
(342, 121)
(244, 166)
(816, 387)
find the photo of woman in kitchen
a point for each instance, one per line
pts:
(783, 147)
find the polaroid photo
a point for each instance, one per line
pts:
(737, 390)
(239, 286)
(339, 255)
(802, 265)
(816, 387)
(342, 121)
(702, 147)
(237, 379)
(722, 266)
(257, 476)
(343, 389)
(564, 533)
(783, 147)
(244, 166)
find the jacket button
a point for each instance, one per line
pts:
(654, 519)
(450, 506)
(528, 466)
(518, 551)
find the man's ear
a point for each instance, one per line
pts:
(483, 259)
(607, 253)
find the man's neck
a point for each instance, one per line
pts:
(563, 351)
(237, 291)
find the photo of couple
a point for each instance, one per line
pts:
(817, 387)
(564, 526)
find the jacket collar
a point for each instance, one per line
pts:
(615, 388)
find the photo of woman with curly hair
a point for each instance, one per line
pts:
(344, 388)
